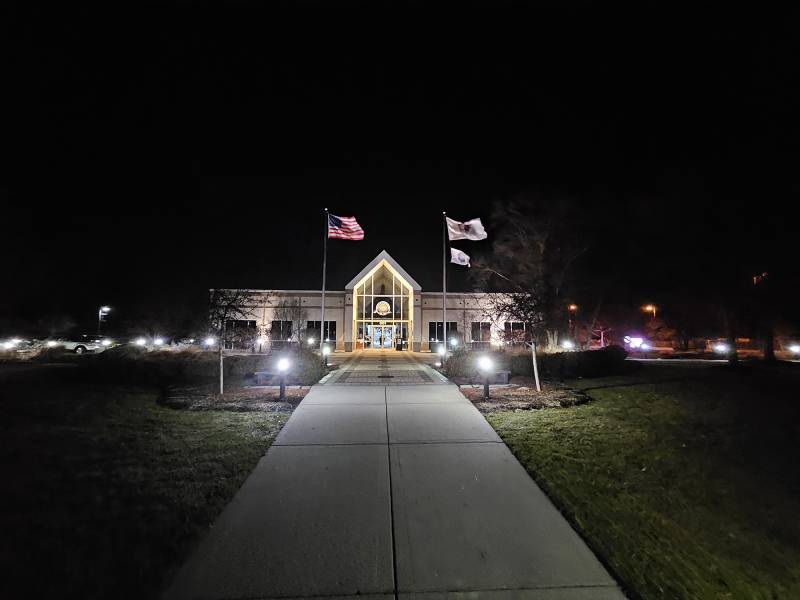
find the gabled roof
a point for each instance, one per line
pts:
(392, 263)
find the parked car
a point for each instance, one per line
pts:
(81, 343)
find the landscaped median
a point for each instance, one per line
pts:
(115, 466)
(681, 484)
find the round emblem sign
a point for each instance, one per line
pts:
(382, 308)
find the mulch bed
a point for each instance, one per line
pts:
(518, 397)
(238, 400)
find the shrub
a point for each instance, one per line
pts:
(558, 366)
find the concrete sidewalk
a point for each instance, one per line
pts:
(392, 491)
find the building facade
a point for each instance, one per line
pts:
(382, 307)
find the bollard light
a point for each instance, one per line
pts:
(283, 366)
(485, 364)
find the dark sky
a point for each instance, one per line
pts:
(163, 149)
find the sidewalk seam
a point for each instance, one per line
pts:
(391, 494)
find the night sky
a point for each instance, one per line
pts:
(162, 150)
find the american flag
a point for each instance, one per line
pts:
(344, 228)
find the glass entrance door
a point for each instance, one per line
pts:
(381, 336)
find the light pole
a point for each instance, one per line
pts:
(573, 311)
(103, 310)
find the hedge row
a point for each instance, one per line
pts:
(557, 366)
(130, 364)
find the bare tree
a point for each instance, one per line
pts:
(290, 309)
(533, 258)
(229, 305)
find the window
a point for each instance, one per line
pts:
(313, 328)
(481, 331)
(236, 324)
(435, 330)
(281, 330)
(514, 333)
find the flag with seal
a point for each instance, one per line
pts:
(468, 230)
(459, 257)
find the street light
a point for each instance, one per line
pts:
(103, 310)
(651, 308)
(485, 365)
(283, 366)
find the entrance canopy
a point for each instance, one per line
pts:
(383, 259)
(383, 304)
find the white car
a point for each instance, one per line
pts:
(80, 343)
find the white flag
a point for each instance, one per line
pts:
(469, 230)
(458, 257)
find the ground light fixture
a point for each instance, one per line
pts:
(283, 366)
(485, 364)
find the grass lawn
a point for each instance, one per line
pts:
(105, 491)
(684, 480)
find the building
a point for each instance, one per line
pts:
(382, 307)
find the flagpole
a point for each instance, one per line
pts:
(444, 284)
(324, 271)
